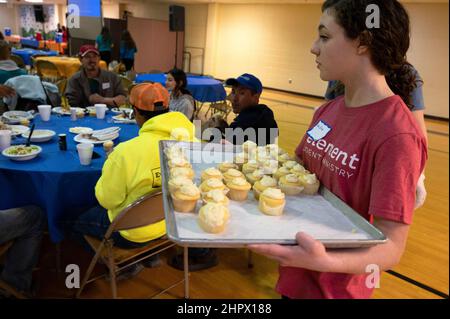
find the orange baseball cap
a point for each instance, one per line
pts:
(150, 97)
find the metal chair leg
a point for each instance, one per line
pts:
(90, 269)
(112, 269)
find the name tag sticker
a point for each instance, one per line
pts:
(106, 86)
(319, 131)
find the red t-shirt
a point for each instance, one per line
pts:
(371, 159)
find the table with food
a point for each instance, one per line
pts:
(48, 172)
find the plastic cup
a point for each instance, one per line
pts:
(73, 114)
(5, 139)
(85, 151)
(44, 112)
(100, 110)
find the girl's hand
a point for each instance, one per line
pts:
(308, 253)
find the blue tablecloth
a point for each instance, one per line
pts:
(26, 54)
(29, 42)
(203, 88)
(55, 180)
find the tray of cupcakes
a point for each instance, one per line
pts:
(219, 195)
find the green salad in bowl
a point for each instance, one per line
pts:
(22, 152)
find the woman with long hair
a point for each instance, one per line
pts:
(181, 100)
(128, 50)
(104, 44)
(370, 152)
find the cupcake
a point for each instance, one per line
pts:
(212, 183)
(231, 174)
(225, 166)
(290, 184)
(216, 196)
(262, 154)
(255, 176)
(272, 150)
(310, 183)
(182, 171)
(283, 158)
(272, 202)
(212, 218)
(239, 188)
(249, 146)
(282, 171)
(185, 198)
(263, 184)
(177, 182)
(175, 151)
(270, 167)
(297, 169)
(211, 173)
(179, 162)
(290, 164)
(240, 159)
(249, 167)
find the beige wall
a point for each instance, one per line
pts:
(195, 27)
(429, 54)
(273, 42)
(111, 11)
(9, 17)
(270, 41)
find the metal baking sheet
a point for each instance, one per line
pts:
(323, 216)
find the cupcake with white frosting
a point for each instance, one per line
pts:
(185, 198)
(216, 196)
(213, 218)
(239, 189)
(310, 183)
(272, 202)
(211, 173)
(290, 184)
(263, 184)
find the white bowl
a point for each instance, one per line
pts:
(40, 135)
(18, 129)
(22, 157)
(80, 130)
(16, 116)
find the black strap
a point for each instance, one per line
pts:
(46, 95)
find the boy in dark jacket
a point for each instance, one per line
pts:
(255, 121)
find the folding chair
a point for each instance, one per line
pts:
(126, 83)
(146, 210)
(3, 285)
(48, 71)
(19, 61)
(222, 107)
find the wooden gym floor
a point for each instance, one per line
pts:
(422, 273)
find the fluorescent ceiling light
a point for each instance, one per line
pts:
(34, 1)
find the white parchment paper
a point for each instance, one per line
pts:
(311, 214)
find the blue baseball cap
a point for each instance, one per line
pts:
(246, 80)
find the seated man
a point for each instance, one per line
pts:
(133, 168)
(92, 85)
(252, 116)
(24, 227)
(8, 68)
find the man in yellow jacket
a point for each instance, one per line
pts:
(133, 168)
